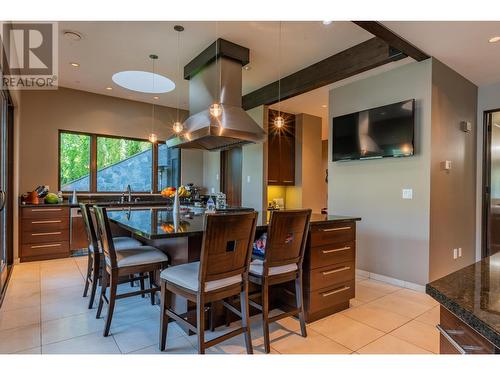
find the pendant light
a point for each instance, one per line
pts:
(153, 138)
(177, 127)
(279, 121)
(216, 108)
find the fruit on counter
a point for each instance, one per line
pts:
(169, 192)
(51, 198)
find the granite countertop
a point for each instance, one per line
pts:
(473, 294)
(156, 223)
(102, 202)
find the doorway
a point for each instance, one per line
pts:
(231, 174)
(491, 184)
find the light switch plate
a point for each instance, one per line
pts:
(455, 254)
(407, 194)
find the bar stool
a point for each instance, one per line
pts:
(282, 263)
(222, 272)
(94, 259)
(142, 259)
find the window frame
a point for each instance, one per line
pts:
(93, 161)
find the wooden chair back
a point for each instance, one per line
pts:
(286, 238)
(103, 230)
(89, 226)
(227, 245)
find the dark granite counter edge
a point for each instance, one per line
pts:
(466, 316)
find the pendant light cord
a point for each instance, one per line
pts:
(279, 70)
(153, 109)
(178, 71)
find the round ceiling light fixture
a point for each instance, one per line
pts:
(279, 122)
(75, 65)
(75, 36)
(326, 23)
(140, 81)
(178, 127)
(109, 88)
(494, 39)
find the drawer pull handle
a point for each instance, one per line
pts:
(46, 222)
(42, 246)
(46, 209)
(272, 180)
(46, 234)
(448, 338)
(289, 181)
(336, 291)
(336, 270)
(335, 229)
(336, 250)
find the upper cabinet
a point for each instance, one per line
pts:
(281, 150)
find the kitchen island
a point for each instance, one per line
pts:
(329, 264)
(470, 308)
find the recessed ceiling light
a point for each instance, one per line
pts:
(109, 88)
(141, 81)
(326, 23)
(494, 39)
(247, 67)
(72, 35)
(324, 106)
(74, 64)
(156, 97)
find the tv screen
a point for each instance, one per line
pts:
(380, 132)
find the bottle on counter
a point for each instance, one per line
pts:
(210, 205)
(60, 198)
(74, 199)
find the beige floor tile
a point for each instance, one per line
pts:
(417, 297)
(430, 317)
(29, 274)
(391, 345)
(19, 317)
(62, 282)
(37, 350)
(234, 345)
(379, 286)
(17, 339)
(314, 343)
(62, 309)
(380, 319)
(145, 333)
(22, 288)
(400, 305)
(366, 294)
(346, 331)
(15, 301)
(178, 345)
(355, 302)
(49, 296)
(95, 343)
(420, 334)
(70, 327)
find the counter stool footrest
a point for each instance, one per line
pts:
(179, 319)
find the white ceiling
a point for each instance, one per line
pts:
(109, 47)
(463, 46)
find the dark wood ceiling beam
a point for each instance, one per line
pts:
(357, 59)
(393, 39)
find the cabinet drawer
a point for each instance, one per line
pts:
(330, 275)
(332, 233)
(44, 212)
(56, 235)
(34, 250)
(332, 254)
(331, 296)
(45, 224)
(461, 336)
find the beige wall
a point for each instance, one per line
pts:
(43, 113)
(393, 235)
(453, 200)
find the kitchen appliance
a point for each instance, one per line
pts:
(77, 234)
(386, 131)
(217, 120)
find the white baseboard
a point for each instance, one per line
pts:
(390, 280)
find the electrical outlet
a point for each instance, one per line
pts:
(459, 252)
(455, 253)
(407, 194)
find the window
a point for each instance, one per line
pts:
(74, 162)
(122, 162)
(98, 163)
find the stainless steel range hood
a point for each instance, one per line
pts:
(215, 77)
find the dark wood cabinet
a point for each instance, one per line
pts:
(281, 151)
(44, 233)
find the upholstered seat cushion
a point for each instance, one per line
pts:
(257, 268)
(186, 276)
(121, 243)
(139, 255)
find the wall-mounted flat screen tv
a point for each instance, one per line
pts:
(386, 131)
